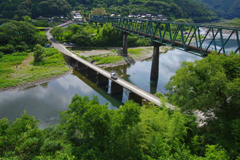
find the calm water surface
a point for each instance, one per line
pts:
(45, 101)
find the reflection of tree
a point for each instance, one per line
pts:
(44, 85)
(30, 87)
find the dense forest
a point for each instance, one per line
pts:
(226, 9)
(173, 9)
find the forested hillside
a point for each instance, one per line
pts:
(16, 9)
(172, 9)
(226, 9)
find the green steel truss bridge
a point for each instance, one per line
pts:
(198, 39)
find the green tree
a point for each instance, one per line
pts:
(39, 51)
(207, 84)
(19, 32)
(57, 33)
(211, 85)
(21, 139)
(98, 132)
(74, 29)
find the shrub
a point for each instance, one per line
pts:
(8, 49)
(38, 53)
(21, 47)
(1, 54)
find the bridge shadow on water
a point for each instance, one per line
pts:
(103, 90)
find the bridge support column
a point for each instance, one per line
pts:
(125, 53)
(90, 72)
(115, 88)
(102, 80)
(155, 62)
(73, 62)
(135, 97)
(81, 67)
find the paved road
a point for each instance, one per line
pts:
(122, 82)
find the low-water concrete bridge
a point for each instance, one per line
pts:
(103, 77)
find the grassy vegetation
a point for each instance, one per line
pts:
(42, 32)
(41, 27)
(19, 68)
(78, 49)
(85, 58)
(100, 59)
(234, 22)
(135, 51)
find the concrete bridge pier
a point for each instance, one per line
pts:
(101, 80)
(74, 63)
(68, 59)
(90, 72)
(155, 62)
(81, 67)
(115, 88)
(135, 97)
(125, 53)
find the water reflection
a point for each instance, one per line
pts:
(46, 100)
(139, 73)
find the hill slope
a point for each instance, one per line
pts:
(16, 9)
(224, 8)
(173, 9)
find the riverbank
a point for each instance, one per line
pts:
(18, 71)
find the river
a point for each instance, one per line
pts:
(45, 101)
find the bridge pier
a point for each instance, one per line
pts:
(135, 97)
(90, 72)
(125, 53)
(102, 80)
(155, 62)
(115, 88)
(81, 67)
(74, 63)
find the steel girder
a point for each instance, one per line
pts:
(195, 38)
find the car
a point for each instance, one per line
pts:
(114, 76)
(71, 44)
(47, 45)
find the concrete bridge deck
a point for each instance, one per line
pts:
(132, 88)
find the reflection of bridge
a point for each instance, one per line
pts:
(116, 86)
(187, 37)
